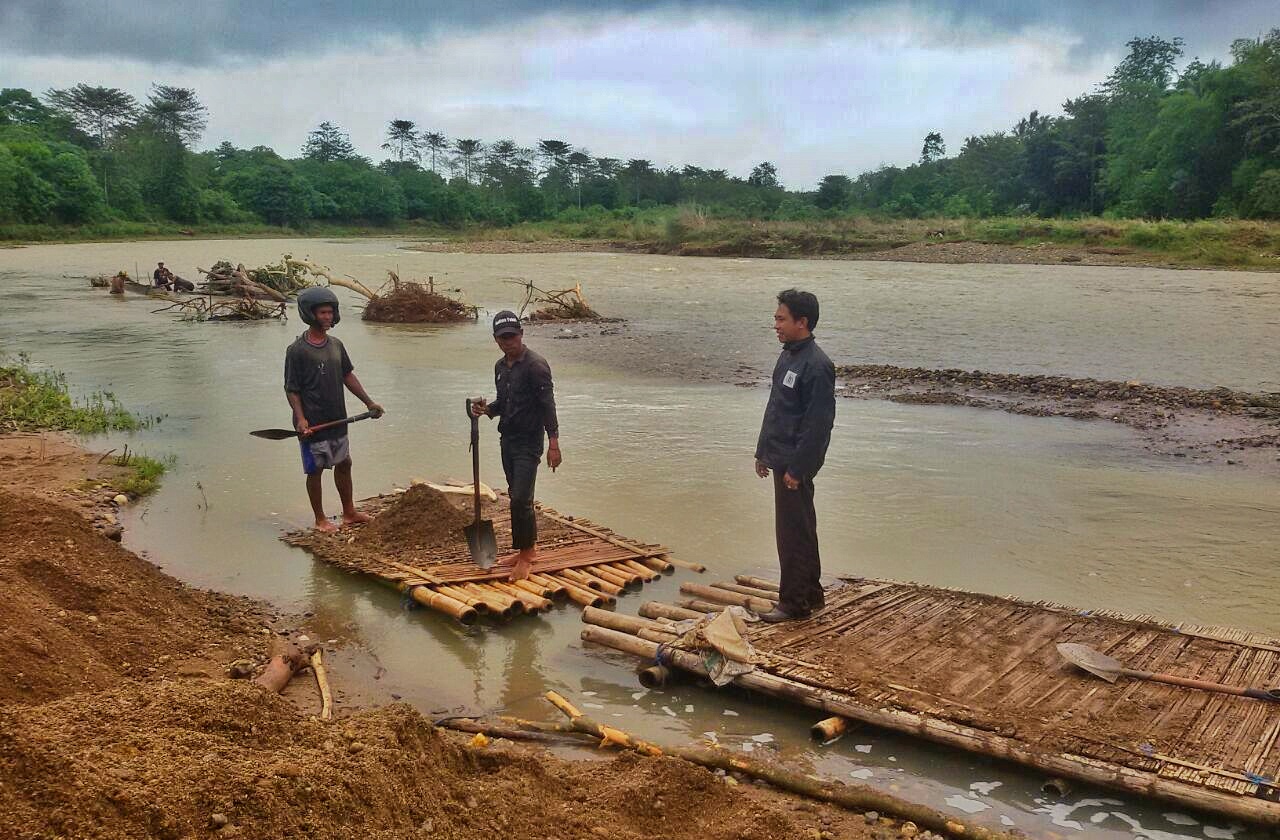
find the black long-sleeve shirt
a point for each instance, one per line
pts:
(797, 422)
(526, 401)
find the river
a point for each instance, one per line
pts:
(657, 437)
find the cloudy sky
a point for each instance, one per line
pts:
(817, 86)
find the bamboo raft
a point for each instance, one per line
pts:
(982, 673)
(579, 563)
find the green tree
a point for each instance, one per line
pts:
(99, 111)
(933, 147)
(402, 136)
(833, 192)
(177, 113)
(764, 175)
(328, 143)
(437, 143)
(467, 150)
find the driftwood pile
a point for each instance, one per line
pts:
(240, 309)
(224, 279)
(408, 302)
(560, 305)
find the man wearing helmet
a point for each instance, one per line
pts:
(316, 370)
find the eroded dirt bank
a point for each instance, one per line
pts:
(118, 719)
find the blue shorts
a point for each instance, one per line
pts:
(321, 455)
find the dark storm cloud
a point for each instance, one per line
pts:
(212, 31)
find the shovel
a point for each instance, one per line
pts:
(480, 539)
(1101, 665)
(284, 434)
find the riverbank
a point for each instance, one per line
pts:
(118, 717)
(1253, 246)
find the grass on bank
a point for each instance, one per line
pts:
(33, 400)
(15, 235)
(686, 231)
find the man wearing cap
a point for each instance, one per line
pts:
(793, 444)
(526, 408)
(162, 278)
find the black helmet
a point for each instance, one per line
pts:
(309, 299)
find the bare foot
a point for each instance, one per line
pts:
(355, 518)
(520, 570)
(324, 526)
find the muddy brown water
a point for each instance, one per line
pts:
(657, 440)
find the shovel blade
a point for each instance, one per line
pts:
(482, 543)
(275, 434)
(1088, 659)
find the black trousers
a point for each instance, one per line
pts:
(796, 529)
(520, 463)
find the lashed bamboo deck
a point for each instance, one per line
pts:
(579, 562)
(983, 673)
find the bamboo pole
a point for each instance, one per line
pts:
(828, 729)
(598, 594)
(722, 596)
(322, 682)
(532, 603)
(762, 594)
(578, 594)
(465, 597)
(557, 590)
(489, 587)
(511, 733)
(656, 609)
(852, 797)
(615, 577)
(656, 676)
(1104, 774)
(498, 603)
(758, 583)
(592, 582)
(623, 623)
(541, 591)
(440, 603)
(700, 607)
(659, 565)
(644, 572)
(685, 564)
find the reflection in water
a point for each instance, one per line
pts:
(1051, 509)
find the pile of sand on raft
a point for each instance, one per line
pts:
(422, 518)
(413, 303)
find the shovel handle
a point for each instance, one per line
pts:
(475, 456)
(1240, 691)
(355, 419)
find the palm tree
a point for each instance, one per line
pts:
(402, 135)
(467, 150)
(436, 142)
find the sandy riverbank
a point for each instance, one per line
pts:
(118, 717)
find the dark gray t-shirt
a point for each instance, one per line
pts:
(316, 374)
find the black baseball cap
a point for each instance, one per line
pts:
(506, 323)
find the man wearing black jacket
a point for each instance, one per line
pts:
(793, 444)
(526, 404)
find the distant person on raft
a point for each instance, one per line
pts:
(526, 406)
(162, 278)
(793, 444)
(316, 369)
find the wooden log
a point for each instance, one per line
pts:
(723, 596)
(579, 594)
(762, 594)
(758, 583)
(617, 621)
(322, 682)
(658, 564)
(532, 603)
(1103, 774)
(511, 733)
(591, 581)
(685, 564)
(452, 607)
(850, 796)
(529, 586)
(657, 609)
(828, 729)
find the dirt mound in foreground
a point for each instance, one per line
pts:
(420, 518)
(160, 759)
(80, 611)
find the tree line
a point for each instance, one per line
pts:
(1149, 141)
